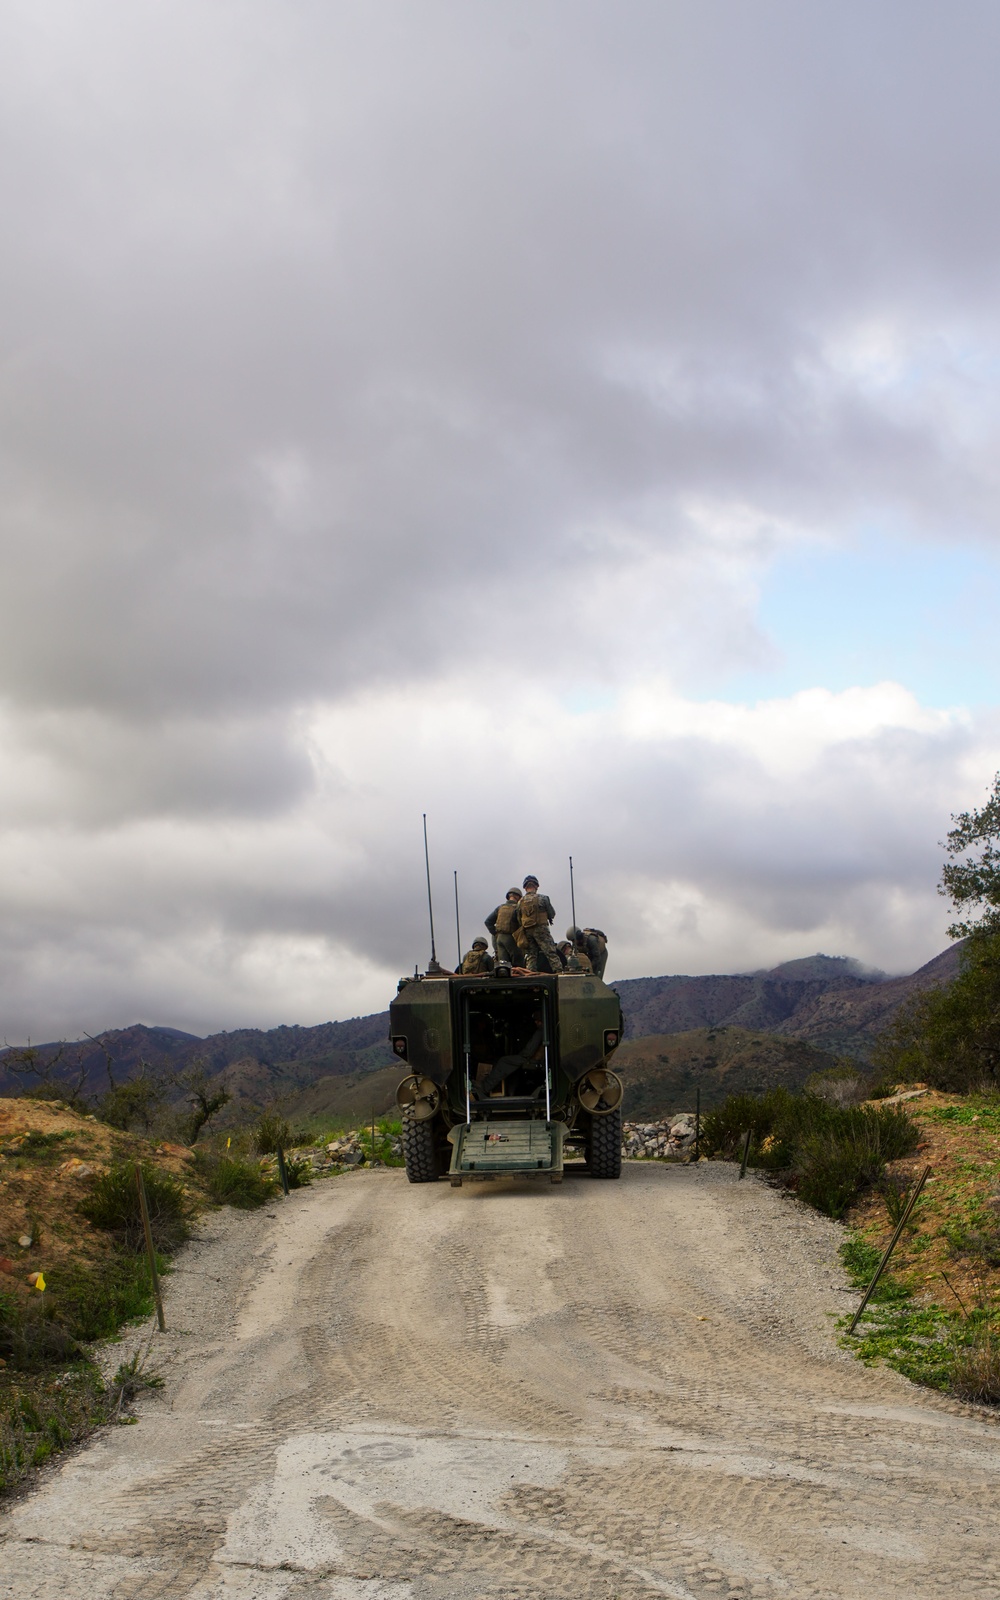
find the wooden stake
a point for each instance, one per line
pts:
(282, 1171)
(150, 1252)
(746, 1152)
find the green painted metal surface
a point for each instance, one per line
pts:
(493, 1148)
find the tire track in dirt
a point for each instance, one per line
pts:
(594, 1390)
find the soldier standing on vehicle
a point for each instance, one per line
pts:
(502, 925)
(478, 959)
(537, 912)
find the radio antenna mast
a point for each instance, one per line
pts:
(433, 963)
(458, 929)
(572, 896)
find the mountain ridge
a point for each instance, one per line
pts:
(839, 1014)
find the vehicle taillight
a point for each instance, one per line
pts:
(611, 1038)
(399, 1045)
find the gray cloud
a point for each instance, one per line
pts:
(347, 348)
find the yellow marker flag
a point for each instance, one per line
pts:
(37, 1280)
(228, 1143)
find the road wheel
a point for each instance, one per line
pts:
(604, 1145)
(420, 1149)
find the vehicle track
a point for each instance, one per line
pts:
(514, 1391)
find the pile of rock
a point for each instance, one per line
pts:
(673, 1137)
(348, 1151)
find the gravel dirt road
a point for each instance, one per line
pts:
(602, 1389)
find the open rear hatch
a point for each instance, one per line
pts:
(507, 1050)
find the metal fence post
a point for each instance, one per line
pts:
(746, 1152)
(890, 1247)
(150, 1252)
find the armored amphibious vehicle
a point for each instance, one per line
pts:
(507, 1074)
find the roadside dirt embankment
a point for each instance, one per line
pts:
(596, 1390)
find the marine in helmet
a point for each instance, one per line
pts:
(502, 925)
(536, 913)
(478, 959)
(578, 959)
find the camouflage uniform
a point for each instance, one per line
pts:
(596, 944)
(536, 914)
(503, 924)
(478, 959)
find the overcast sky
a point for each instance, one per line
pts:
(578, 421)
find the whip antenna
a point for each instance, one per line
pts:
(458, 930)
(433, 964)
(572, 897)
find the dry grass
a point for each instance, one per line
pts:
(976, 1373)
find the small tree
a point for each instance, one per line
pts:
(36, 1070)
(136, 1103)
(975, 881)
(950, 1037)
(205, 1101)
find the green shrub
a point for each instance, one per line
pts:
(113, 1204)
(129, 1381)
(828, 1153)
(842, 1085)
(270, 1134)
(299, 1172)
(723, 1130)
(833, 1166)
(92, 1302)
(238, 1183)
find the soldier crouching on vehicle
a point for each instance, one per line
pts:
(536, 913)
(577, 958)
(502, 925)
(596, 945)
(478, 959)
(591, 946)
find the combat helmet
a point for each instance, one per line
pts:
(479, 944)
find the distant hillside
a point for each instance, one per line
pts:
(253, 1064)
(841, 1013)
(827, 967)
(830, 1003)
(848, 1020)
(662, 1071)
